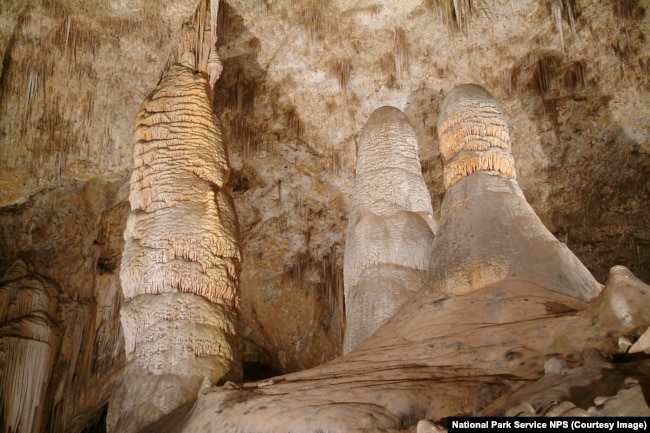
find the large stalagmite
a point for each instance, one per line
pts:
(181, 262)
(488, 231)
(391, 226)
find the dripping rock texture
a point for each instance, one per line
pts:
(181, 261)
(473, 135)
(28, 345)
(390, 227)
(300, 79)
(488, 231)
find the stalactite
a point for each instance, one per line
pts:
(400, 51)
(199, 36)
(455, 13)
(391, 226)
(342, 69)
(561, 10)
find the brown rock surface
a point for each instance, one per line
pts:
(29, 342)
(444, 355)
(70, 237)
(299, 81)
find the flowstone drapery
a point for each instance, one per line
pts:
(29, 342)
(390, 227)
(181, 261)
(494, 348)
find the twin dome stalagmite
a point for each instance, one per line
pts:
(488, 232)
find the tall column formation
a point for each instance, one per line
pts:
(182, 260)
(28, 347)
(390, 229)
(488, 231)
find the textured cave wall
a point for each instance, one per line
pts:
(566, 105)
(73, 75)
(71, 81)
(299, 81)
(69, 238)
(299, 89)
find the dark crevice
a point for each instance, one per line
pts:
(254, 371)
(99, 425)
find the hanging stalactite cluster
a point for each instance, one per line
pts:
(28, 345)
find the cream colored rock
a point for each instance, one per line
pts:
(522, 409)
(642, 344)
(428, 426)
(181, 261)
(628, 401)
(473, 135)
(390, 228)
(488, 231)
(199, 41)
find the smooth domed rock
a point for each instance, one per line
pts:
(488, 231)
(390, 228)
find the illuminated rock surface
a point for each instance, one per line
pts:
(181, 261)
(488, 231)
(299, 81)
(390, 228)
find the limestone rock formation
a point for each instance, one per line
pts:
(390, 228)
(488, 231)
(602, 385)
(29, 342)
(80, 277)
(181, 262)
(446, 355)
(299, 81)
(612, 390)
(463, 346)
(473, 135)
